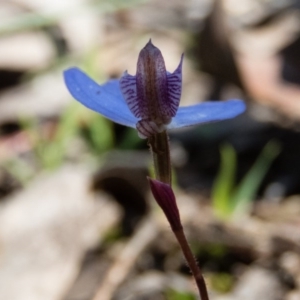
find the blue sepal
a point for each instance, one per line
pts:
(105, 99)
(207, 112)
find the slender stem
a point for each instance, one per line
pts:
(159, 144)
(192, 263)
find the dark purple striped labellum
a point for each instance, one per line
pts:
(152, 95)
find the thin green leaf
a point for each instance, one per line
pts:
(248, 187)
(224, 184)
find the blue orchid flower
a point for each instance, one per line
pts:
(149, 100)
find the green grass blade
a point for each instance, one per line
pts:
(224, 183)
(248, 187)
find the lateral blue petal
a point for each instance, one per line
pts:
(207, 112)
(105, 99)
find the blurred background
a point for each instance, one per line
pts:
(77, 221)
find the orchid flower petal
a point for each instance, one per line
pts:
(128, 89)
(207, 112)
(174, 88)
(151, 84)
(105, 99)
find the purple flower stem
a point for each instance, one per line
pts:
(159, 144)
(191, 261)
